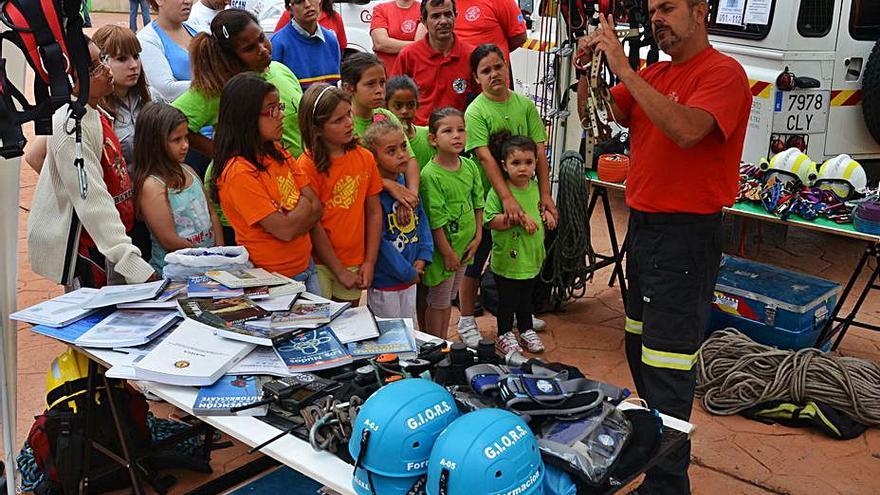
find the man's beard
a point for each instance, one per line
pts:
(672, 38)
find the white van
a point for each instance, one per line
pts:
(832, 105)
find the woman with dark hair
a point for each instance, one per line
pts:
(78, 233)
(328, 18)
(166, 43)
(266, 197)
(235, 44)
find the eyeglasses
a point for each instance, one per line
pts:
(274, 111)
(99, 65)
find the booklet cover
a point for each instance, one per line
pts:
(312, 350)
(246, 277)
(261, 361)
(355, 324)
(69, 333)
(191, 355)
(394, 338)
(304, 313)
(127, 328)
(111, 295)
(202, 286)
(230, 391)
(58, 311)
(221, 313)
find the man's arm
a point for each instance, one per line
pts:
(517, 41)
(684, 125)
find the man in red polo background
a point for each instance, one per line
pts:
(499, 22)
(439, 63)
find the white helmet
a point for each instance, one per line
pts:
(844, 168)
(793, 161)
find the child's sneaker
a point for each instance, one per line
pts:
(470, 336)
(538, 324)
(505, 344)
(532, 341)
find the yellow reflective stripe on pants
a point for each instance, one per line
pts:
(633, 326)
(669, 360)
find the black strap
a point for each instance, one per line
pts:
(444, 482)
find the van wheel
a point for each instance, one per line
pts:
(871, 93)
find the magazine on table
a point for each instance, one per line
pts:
(261, 361)
(245, 277)
(58, 311)
(336, 308)
(257, 335)
(166, 300)
(277, 303)
(312, 350)
(128, 327)
(395, 337)
(191, 355)
(221, 313)
(300, 314)
(69, 333)
(112, 295)
(355, 324)
(202, 286)
(230, 391)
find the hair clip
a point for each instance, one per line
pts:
(225, 32)
(380, 117)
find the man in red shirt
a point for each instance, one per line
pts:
(499, 22)
(687, 120)
(438, 63)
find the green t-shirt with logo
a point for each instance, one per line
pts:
(450, 199)
(485, 117)
(201, 110)
(515, 253)
(421, 147)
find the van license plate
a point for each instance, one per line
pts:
(801, 111)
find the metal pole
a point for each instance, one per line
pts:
(9, 182)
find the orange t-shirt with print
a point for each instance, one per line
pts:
(248, 195)
(343, 192)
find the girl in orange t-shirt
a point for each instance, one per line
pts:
(347, 182)
(265, 196)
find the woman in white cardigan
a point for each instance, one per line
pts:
(165, 44)
(85, 242)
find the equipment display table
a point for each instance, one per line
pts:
(836, 325)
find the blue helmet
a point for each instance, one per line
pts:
(396, 427)
(367, 483)
(490, 451)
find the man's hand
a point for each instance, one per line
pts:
(547, 205)
(605, 40)
(583, 55)
(513, 211)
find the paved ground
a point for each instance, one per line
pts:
(731, 455)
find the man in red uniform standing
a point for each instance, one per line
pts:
(687, 119)
(438, 63)
(499, 22)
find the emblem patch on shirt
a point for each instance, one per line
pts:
(460, 85)
(345, 192)
(472, 14)
(288, 192)
(408, 26)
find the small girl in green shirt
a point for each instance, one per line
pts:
(402, 98)
(517, 246)
(453, 198)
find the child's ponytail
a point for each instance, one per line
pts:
(212, 55)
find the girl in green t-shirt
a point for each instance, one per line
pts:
(517, 242)
(363, 78)
(402, 98)
(453, 197)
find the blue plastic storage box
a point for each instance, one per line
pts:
(772, 306)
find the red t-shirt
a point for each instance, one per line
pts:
(443, 80)
(489, 21)
(332, 22)
(400, 23)
(664, 178)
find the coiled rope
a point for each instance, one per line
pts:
(735, 373)
(566, 269)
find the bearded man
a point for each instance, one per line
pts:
(687, 119)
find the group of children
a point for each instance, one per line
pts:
(373, 203)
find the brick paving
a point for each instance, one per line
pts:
(731, 455)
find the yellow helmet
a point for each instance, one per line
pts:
(67, 367)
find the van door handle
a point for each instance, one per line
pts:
(853, 68)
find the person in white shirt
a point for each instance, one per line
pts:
(203, 12)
